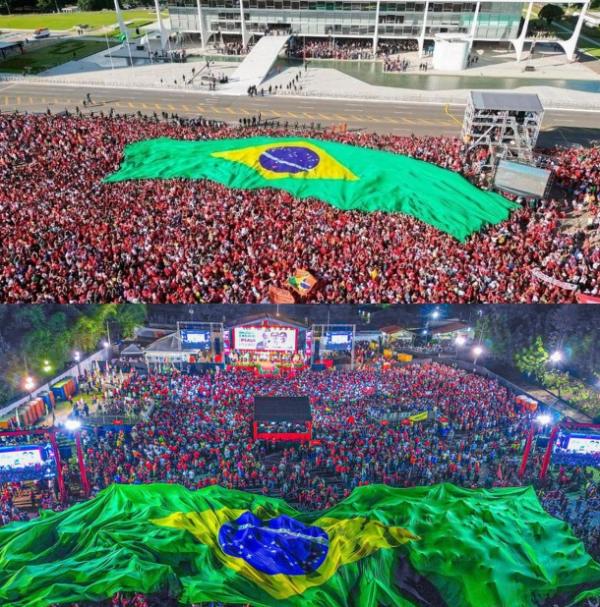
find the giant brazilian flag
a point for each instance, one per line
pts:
(345, 176)
(428, 546)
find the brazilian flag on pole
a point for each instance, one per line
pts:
(347, 177)
(429, 546)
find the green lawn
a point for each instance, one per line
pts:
(51, 56)
(55, 21)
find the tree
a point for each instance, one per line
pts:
(550, 13)
(557, 380)
(94, 5)
(532, 359)
(46, 6)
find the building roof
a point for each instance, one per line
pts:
(391, 329)
(168, 343)
(282, 409)
(519, 102)
(449, 327)
(132, 350)
(4, 45)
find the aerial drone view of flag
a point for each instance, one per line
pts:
(344, 456)
(119, 208)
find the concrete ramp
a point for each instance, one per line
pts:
(255, 67)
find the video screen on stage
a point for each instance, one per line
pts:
(262, 339)
(521, 179)
(338, 340)
(195, 339)
(21, 457)
(577, 449)
(583, 444)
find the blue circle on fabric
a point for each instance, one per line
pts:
(279, 545)
(289, 159)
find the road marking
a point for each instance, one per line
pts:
(30, 100)
(131, 105)
(447, 111)
(325, 116)
(5, 99)
(309, 116)
(171, 107)
(186, 108)
(158, 106)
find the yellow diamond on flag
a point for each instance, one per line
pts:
(289, 159)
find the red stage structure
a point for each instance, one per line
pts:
(276, 418)
(567, 425)
(51, 433)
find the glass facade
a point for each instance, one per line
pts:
(495, 20)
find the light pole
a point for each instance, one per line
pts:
(477, 352)
(29, 386)
(77, 357)
(555, 358)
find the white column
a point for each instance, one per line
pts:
(570, 45)
(474, 25)
(243, 23)
(519, 43)
(203, 33)
(376, 34)
(421, 40)
(161, 27)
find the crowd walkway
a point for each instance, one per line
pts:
(256, 66)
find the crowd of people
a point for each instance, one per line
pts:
(320, 48)
(348, 49)
(65, 236)
(197, 432)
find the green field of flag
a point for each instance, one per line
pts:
(346, 176)
(428, 546)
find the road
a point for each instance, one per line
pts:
(559, 127)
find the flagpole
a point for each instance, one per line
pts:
(112, 65)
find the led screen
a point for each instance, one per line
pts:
(338, 340)
(521, 179)
(20, 457)
(264, 339)
(584, 444)
(195, 339)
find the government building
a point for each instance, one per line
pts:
(375, 21)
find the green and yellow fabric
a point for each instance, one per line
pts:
(346, 176)
(427, 546)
